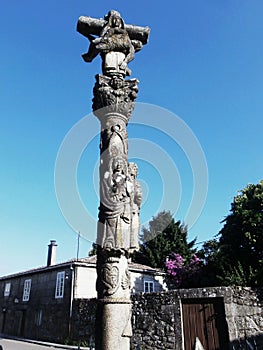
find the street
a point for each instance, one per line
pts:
(8, 344)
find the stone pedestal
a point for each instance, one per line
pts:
(113, 321)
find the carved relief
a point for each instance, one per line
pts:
(110, 278)
(135, 194)
(114, 137)
(126, 280)
(114, 214)
(114, 94)
(120, 192)
(116, 43)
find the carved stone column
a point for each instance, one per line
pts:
(120, 192)
(113, 103)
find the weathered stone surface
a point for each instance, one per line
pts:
(87, 25)
(120, 192)
(116, 42)
(157, 319)
(114, 95)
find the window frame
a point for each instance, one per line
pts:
(60, 285)
(38, 317)
(148, 283)
(7, 289)
(27, 289)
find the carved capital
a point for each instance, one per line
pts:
(114, 95)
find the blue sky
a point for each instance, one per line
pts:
(203, 63)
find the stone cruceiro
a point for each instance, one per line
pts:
(120, 191)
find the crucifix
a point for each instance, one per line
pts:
(120, 191)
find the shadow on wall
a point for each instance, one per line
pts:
(248, 343)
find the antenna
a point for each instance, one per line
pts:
(78, 246)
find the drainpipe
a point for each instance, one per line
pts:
(72, 268)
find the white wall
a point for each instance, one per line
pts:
(85, 282)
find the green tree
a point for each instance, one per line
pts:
(93, 250)
(163, 238)
(240, 248)
(211, 269)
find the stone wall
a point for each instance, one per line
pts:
(157, 320)
(83, 320)
(244, 312)
(22, 318)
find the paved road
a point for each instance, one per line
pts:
(8, 344)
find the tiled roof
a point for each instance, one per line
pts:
(91, 260)
(132, 265)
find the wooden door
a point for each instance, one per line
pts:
(21, 323)
(204, 319)
(3, 321)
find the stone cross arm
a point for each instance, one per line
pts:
(93, 26)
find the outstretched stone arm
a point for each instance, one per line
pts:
(88, 25)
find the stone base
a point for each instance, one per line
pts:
(113, 327)
(113, 319)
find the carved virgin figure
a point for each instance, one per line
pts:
(114, 216)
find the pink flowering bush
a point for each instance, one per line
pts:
(182, 272)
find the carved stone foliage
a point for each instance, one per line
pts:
(114, 95)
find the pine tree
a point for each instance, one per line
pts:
(163, 238)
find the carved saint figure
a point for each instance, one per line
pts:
(114, 216)
(114, 46)
(135, 194)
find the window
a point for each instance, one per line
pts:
(60, 285)
(7, 289)
(27, 287)
(38, 318)
(148, 286)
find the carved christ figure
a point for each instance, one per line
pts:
(114, 45)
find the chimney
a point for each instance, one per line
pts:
(51, 257)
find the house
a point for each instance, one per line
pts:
(43, 303)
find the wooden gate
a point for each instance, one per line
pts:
(204, 319)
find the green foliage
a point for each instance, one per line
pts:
(164, 237)
(93, 250)
(236, 275)
(209, 254)
(237, 258)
